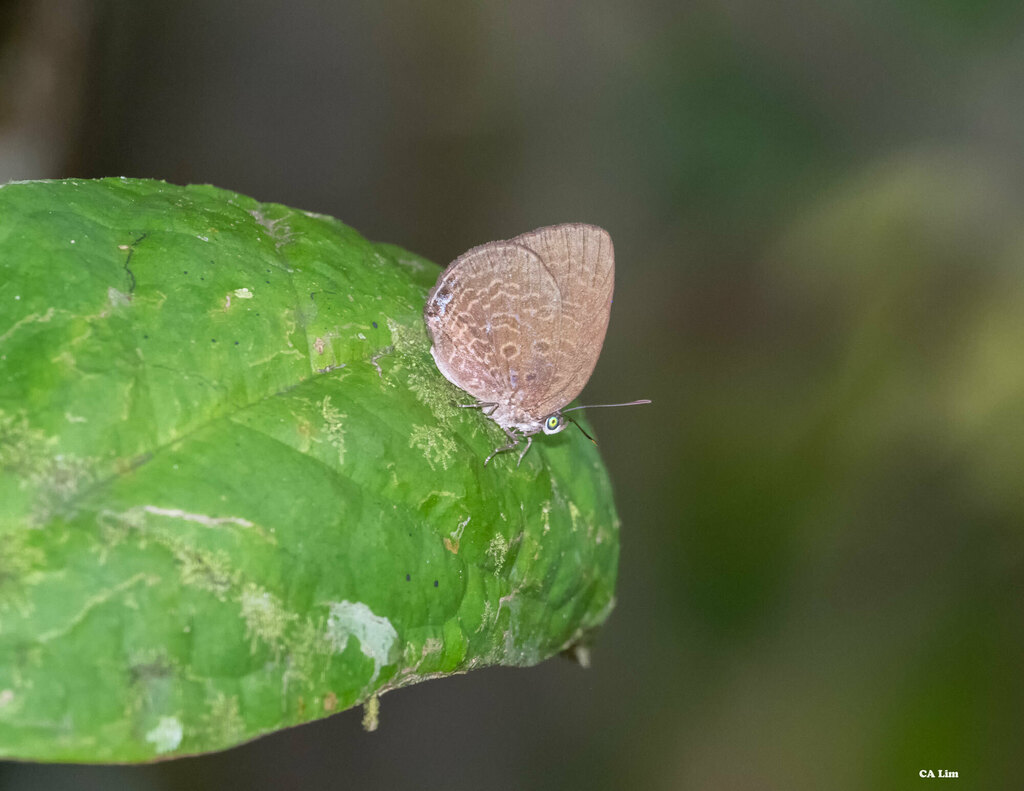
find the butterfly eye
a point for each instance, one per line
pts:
(553, 424)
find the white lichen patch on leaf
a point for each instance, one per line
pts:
(166, 736)
(510, 600)
(496, 551)
(377, 638)
(485, 619)
(413, 659)
(425, 387)
(423, 379)
(435, 445)
(577, 517)
(333, 425)
(223, 723)
(56, 484)
(23, 449)
(265, 617)
(308, 656)
(431, 646)
(118, 299)
(18, 559)
(433, 390)
(574, 515)
(281, 236)
(406, 340)
(204, 569)
(239, 293)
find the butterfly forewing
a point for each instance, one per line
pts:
(485, 315)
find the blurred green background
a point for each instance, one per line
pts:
(816, 208)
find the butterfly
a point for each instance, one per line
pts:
(519, 324)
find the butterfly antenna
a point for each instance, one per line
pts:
(585, 434)
(594, 406)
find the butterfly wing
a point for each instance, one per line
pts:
(581, 260)
(491, 317)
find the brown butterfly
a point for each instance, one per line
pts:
(519, 325)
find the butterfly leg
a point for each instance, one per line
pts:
(511, 445)
(482, 406)
(529, 442)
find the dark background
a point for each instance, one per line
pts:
(816, 208)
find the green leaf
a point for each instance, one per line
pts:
(235, 492)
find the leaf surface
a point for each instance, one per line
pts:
(235, 492)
